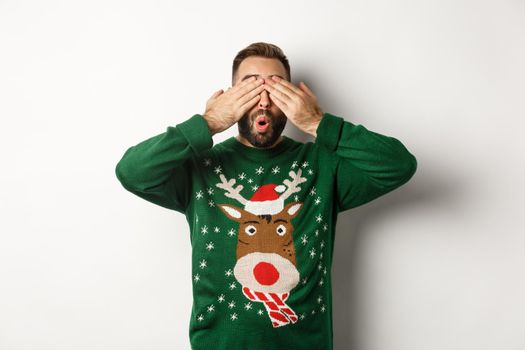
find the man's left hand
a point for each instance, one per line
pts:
(298, 103)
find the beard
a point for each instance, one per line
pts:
(268, 138)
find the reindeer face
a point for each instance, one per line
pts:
(265, 249)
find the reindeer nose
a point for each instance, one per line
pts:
(265, 273)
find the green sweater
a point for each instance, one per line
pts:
(262, 223)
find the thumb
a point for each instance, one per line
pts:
(216, 93)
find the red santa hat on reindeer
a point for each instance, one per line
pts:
(266, 200)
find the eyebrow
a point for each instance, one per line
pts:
(258, 75)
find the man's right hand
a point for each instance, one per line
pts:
(223, 109)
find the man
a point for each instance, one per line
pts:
(261, 207)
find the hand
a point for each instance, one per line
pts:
(223, 109)
(299, 104)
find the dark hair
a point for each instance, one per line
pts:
(260, 49)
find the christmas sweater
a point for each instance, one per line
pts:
(262, 223)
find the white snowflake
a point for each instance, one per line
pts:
(276, 170)
(199, 195)
(304, 239)
(312, 252)
(305, 164)
(310, 172)
(324, 271)
(210, 191)
(217, 169)
(221, 298)
(207, 162)
(319, 218)
(210, 245)
(254, 188)
(296, 198)
(294, 164)
(321, 255)
(316, 233)
(320, 266)
(313, 312)
(231, 232)
(211, 308)
(216, 229)
(259, 170)
(200, 318)
(305, 280)
(323, 308)
(302, 316)
(232, 285)
(228, 272)
(322, 244)
(321, 282)
(242, 176)
(312, 191)
(319, 299)
(211, 203)
(233, 316)
(197, 278)
(325, 227)
(260, 312)
(203, 264)
(250, 181)
(204, 229)
(248, 306)
(317, 200)
(231, 304)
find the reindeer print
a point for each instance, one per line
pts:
(266, 264)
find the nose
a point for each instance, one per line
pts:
(264, 102)
(265, 273)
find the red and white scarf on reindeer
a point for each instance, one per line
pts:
(280, 314)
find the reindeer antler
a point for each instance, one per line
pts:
(291, 186)
(230, 190)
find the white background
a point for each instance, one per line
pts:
(437, 264)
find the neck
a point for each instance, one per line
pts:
(245, 142)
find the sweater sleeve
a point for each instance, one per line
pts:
(158, 170)
(367, 164)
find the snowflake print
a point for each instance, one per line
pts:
(231, 304)
(302, 316)
(216, 229)
(233, 316)
(323, 308)
(207, 162)
(317, 200)
(313, 312)
(248, 306)
(321, 255)
(203, 264)
(250, 181)
(259, 170)
(305, 164)
(296, 198)
(197, 278)
(312, 253)
(231, 232)
(217, 169)
(242, 176)
(316, 233)
(319, 218)
(211, 203)
(199, 195)
(305, 280)
(324, 271)
(228, 272)
(321, 282)
(304, 239)
(260, 312)
(254, 188)
(210, 191)
(310, 172)
(325, 227)
(221, 298)
(312, 191)
(211, 308)
(294, 164)
(320, 266)
(200, 318)
(322, 244)
(319, 299)
(210, 246)
(204, 229)
(232, 286)
(276, 170)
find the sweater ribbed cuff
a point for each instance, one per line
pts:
(329, 131)
(196, 131)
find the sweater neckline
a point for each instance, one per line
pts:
(258, 153)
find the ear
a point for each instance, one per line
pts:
(293, 208)
(232, 212)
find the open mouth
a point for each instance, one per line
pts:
(262, 123)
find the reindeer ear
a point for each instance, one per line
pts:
(292, 209)
(231, 211)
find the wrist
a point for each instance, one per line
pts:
(212, 126)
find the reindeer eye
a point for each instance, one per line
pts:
(250, 230)
(281, 230)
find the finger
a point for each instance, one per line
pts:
(215, 94)
(279, 103)
(280, 92)
(246, 88)
(287, 84)
(251, 94)
(249, 105)
(306, 89)
(239, 86)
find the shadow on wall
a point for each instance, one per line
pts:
(352, 227)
